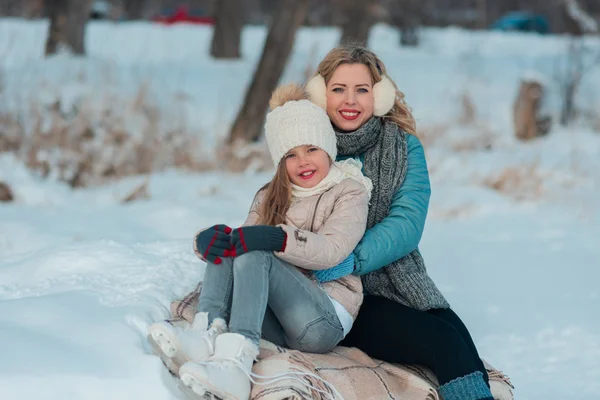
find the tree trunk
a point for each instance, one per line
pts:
(278, 46)
(10, 8)
(482, 13)
(358, 22)
(6, 194)
(571, 80)
(527, 119)
(408, 16)
(33, 9)
(67, 25)
(134, 9)
(228, 29)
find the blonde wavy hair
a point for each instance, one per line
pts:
(400, 113)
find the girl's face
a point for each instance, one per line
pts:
(350, 96)
(307, 165)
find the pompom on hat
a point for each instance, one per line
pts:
(295, 121)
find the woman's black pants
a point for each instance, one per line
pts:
(395, 333)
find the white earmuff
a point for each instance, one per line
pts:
(384, 93)
(317, 91)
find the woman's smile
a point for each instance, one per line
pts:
(349, 115)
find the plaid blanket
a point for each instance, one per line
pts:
(353, 374)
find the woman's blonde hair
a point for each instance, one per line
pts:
(278, 195)
(400, 113)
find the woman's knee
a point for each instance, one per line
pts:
(445, 336)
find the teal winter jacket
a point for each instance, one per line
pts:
(400, 232)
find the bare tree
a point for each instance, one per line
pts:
(6, 194)
(140, 10)
(152, 8)
(10, 8)
(67, 25)
(408, 16)
(358, 21)
(134, 9)
(579, 60)
(33, 9)
(278, 46)
(528, 120)
(228, 29)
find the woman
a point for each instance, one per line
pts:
(404, 317)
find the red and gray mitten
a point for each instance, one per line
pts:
(213, 243)
(257, 237)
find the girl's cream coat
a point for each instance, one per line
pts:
(322, 230)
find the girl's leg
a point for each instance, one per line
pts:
(179, 344)
(215, 297)
(450, 316)
(306, 314)
(272, 329)
(260, 280)
(395, 333)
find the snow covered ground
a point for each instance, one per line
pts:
(82, 276)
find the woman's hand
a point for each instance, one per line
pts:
(213, 243)
(257, 237)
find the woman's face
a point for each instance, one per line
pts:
(350, 96)
(307, 165)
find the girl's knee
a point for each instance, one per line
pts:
(252, 258)
(319, 336)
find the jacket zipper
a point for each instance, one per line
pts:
(312, 223)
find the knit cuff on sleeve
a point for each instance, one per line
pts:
(344, 268)
(276, 239)
(468, 387)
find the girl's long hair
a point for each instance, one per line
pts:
(278, 192)
(400, 113)
(278, 196)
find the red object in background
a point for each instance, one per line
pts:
(182, 15)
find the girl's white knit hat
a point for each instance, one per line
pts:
(297, 123)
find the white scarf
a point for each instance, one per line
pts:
(340, 170)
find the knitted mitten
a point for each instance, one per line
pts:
(257, 237)
(213, 242)
(468, 387)
(344, 268)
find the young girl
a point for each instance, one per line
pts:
(259, 278)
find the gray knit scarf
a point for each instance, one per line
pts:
(385, 151)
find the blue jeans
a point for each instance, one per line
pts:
(260, 293)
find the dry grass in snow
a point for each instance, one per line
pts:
(96, 140)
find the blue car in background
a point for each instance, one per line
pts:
(522, 22)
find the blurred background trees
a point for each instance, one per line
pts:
(359, 16)
(472, 14)
(278, 46)
(229, 21)
(67, 24)
(354, 18)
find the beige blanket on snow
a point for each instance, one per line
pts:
(352, 373)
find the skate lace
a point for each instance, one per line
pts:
(258, 379)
